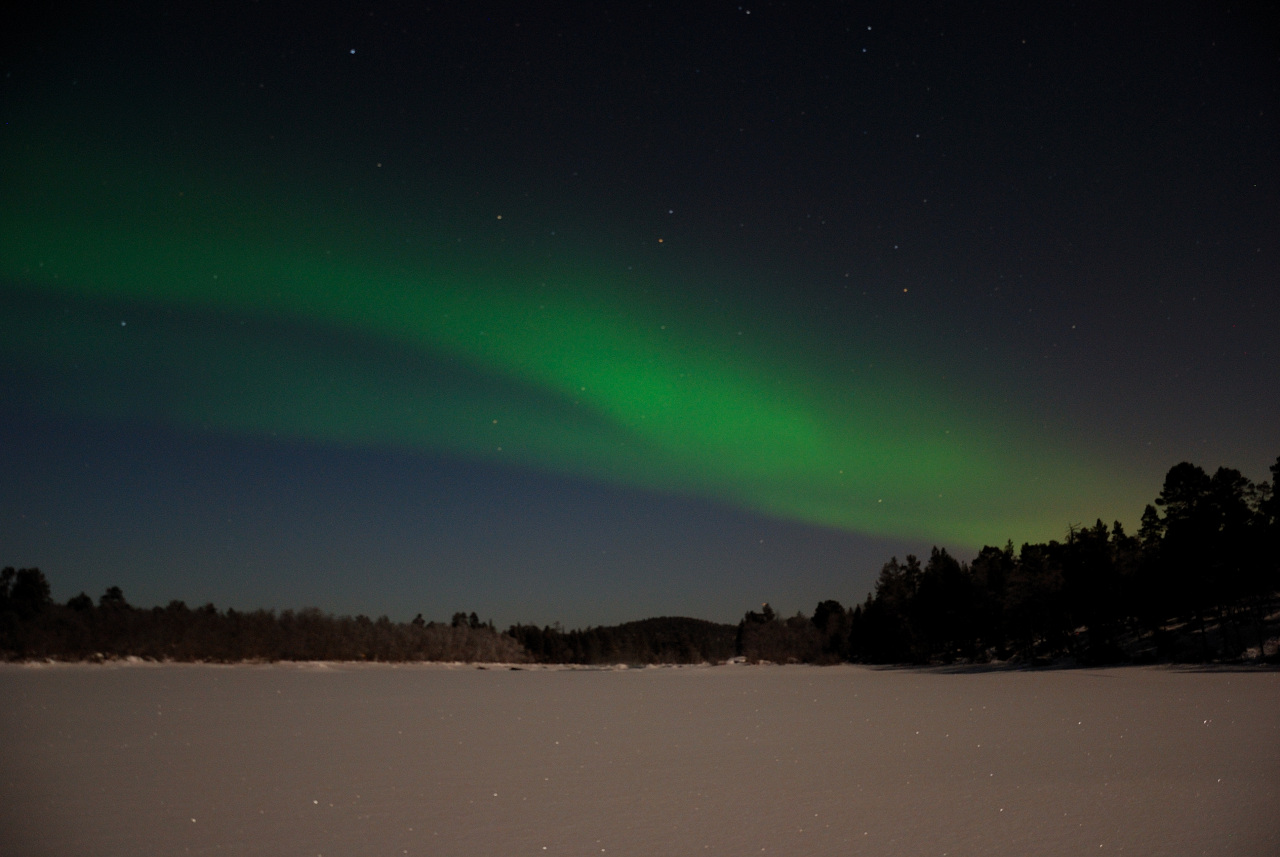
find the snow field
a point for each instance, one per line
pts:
(450, 760)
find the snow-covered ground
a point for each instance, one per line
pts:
(432, 760)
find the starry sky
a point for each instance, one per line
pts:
(589, 312)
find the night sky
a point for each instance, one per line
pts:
(592, 312)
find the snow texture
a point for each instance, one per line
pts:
(338, 759)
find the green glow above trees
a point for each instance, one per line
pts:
(256, 315)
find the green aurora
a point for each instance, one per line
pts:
(223, 305)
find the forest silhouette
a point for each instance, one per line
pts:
(1197, 583)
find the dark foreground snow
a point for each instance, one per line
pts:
(430, 760)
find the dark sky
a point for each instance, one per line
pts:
(592, 312)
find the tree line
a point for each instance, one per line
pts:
(32, 626)
(1197, 582)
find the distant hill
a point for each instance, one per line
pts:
(662, 640)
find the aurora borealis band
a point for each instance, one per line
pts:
(554, 367)
(839, 278)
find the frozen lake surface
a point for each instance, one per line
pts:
(433, 760)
